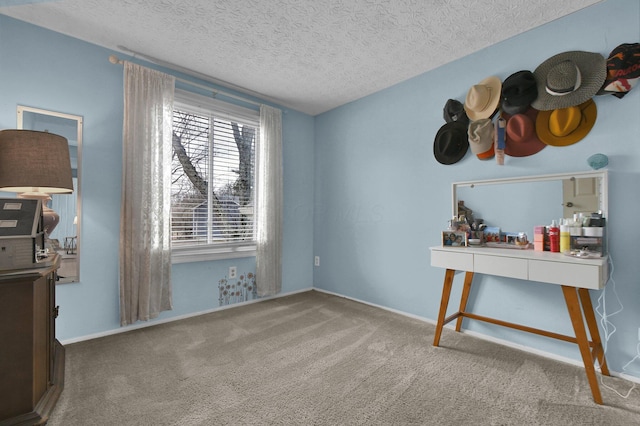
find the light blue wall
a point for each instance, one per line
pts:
(47, 70)
(382, 199)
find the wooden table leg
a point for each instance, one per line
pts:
(592, 324)
(444, 302)
(466, 289)
(573, 306)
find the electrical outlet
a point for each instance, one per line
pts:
(316, 261)
(233, 272)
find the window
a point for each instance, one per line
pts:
(213, 179)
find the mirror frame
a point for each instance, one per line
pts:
(602, 174)
(20, 110)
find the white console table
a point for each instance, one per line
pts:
(575, 276)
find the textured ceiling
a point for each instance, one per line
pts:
(310, 55)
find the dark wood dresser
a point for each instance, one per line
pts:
(31, 359)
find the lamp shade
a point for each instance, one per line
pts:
(33, 162)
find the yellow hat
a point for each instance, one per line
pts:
(566, 126)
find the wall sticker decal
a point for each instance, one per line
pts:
(236, 291)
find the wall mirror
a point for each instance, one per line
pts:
(520, 203)
(65, 238)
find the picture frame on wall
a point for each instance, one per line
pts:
(454, 239)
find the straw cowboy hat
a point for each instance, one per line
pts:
(483, 98)
(568, 79)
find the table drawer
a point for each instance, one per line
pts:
(571, 274)
(460, 261)
(502, 266)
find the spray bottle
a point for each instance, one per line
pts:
(554, 237)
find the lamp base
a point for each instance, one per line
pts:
(50, 218)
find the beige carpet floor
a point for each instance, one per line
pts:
(318, 359)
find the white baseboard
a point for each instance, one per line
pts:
(488, 338)
(176, 318)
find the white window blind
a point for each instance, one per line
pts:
(213, 173)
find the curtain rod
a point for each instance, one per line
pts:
(115, 60)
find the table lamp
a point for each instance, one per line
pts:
(35, 164)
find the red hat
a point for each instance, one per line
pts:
(521, 139)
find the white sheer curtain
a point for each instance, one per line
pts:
(145, 237)
(269, 202)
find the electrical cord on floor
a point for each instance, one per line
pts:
(624, 368)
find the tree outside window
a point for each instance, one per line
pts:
(212, 190)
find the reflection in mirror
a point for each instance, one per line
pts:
(519, 204)
(65, 238)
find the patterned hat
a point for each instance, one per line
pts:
(623, 70)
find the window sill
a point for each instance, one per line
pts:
(206, 253)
